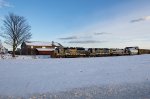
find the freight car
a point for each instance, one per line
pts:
(71, 52)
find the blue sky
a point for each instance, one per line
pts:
(86, 23)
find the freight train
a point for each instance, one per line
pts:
(65, 52)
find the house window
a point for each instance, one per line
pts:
(43, 47)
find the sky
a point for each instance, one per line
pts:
(85, 23)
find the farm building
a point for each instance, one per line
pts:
(3, 50)
(39, 48)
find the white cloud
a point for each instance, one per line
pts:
(87, 41)
(147, 18)
(141, 19)
(68, 38)
(101, 33)
(4, 3)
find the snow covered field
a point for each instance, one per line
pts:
(19, 77)
(9, 56)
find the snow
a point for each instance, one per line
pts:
(22, 77)
(40, 43)
(9, 56)
(45, 49)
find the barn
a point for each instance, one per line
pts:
(39, 48)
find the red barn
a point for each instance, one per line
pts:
(39, 48)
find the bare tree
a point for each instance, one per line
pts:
(1, 52)
(15, 31)
(0, 46)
